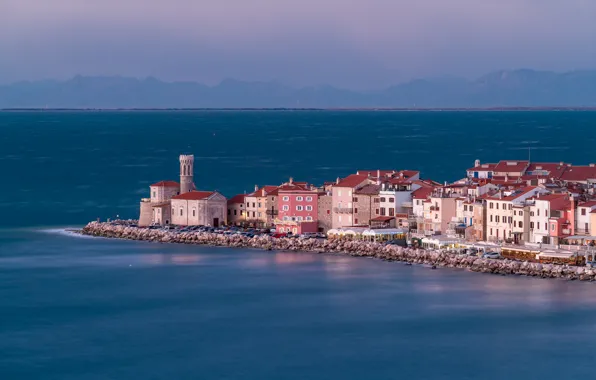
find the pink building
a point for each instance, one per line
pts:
(298, 209)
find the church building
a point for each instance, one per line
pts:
(181, 204)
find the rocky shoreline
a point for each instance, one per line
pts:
(434, 258)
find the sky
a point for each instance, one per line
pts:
(356, 44)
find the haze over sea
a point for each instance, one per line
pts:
(85, 308)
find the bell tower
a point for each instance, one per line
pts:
(187, 162)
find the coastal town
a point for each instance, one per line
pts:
(522, 209)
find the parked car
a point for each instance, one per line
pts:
(472, 252)
(491, 255)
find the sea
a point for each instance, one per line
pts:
(74, 307)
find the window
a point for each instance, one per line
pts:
(298, 208)
(155, 196)
(355, 199)
(491, 231)
(514, 223)
(299, 218)
(339, 193)
(259, 204)
(229, 212)
(514, 212)
(531, 213)
(309, 218)
(194, 212)
(583, 211)
(391, 211)
(260, 214)
(286, 218)
(490, 205)
(531, 225)
(383, 211)
(436, 216)
(247, 205)
(417, 202)
(299, 199)
(377, 200)
(497, 218)
(520, 213)
(391, 200)
(377, 211)
(286, 198)
(510, 219)
(309, 199)
(328, 212)
(253, 205)
(356, 211)
(471, 208)
(235, 212)
(552, 227)
(546, 226)
(520, 224)
(355, 221)
(180, 212)
(538, 212)
(465, 207)
(491, 218)
(497, 206)
(510, 206)
(308, 208)
(285, 207)
(382, 199)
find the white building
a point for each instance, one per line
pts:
(583, 223)
(199, 208)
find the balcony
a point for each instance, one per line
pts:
(434, 208)
(342, 210)
(272, 212)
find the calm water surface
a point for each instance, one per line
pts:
(84, 308)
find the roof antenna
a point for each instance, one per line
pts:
(529, 153)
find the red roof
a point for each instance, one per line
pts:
(382, 219)
(167, 184)
(511, 166)
(237, 199)
(588, 204)
(555, 170)
(373, 173)
(515, 195)
(352, 180)
(194, 195)
(579, 173)
(263, 191)
(422, 193)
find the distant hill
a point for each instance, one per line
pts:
(513, 88)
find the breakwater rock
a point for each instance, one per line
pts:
(438, 258)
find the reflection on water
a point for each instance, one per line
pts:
(289, 258)
(169, 259)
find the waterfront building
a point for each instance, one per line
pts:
(325, 205)
(366, 204)
(500, 212)
(199, 208)
(298, 208)
(481, 170)
(439, 211)
(237, 210)
(257, 205)
(342, 199)
(583, 218)
(542, 208)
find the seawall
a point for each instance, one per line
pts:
(436, 258)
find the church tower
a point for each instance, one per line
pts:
(186, 173)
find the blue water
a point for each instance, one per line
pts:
(85, 308)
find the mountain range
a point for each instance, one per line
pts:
(508, 88)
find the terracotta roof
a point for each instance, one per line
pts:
(237, 199)
(368, 190)
(579, 173)
(515, 195)
(382, 219)
(194, 195)
(555, 170)
(483, 168)
(426, 183)
(352, 180)
(422, 193)
(167, 184)
(511, 166)
(263, 191)
(588, 204)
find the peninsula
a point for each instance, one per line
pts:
(509, 217)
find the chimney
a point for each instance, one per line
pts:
(476, 163)
(337, 181)
(291, 180)
(592, 165)
(256, 187)
(561, 163)
(378, 173)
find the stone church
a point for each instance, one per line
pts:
(181, 204)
